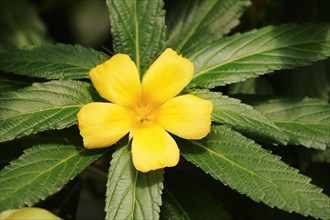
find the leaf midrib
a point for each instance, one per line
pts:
(247, 55)
(28, 62)
(134, 194)
(137, 46)
(127, 164)
(251, 172)
(251, 54)
(299, 122)
(40, 174)
(251, 118)
(302, 105)
(41, 110)
(195, 27)
(177, 203)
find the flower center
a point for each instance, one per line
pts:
(144, 112)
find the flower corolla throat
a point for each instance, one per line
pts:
(149, 109)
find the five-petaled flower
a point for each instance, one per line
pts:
(146, 109)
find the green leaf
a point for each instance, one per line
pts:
(247, 168)
(11, 150)
(42, 106)
(130, 193)
(236, 58)
(201, 22)
(48, 61)
(40, 172)
(305, 121)
(186, 200)
(241, 117)
(20, 25)
(138, 29)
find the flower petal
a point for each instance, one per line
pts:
(153, 148)
(166, 77)
(31, 213)
(117, 80)
(103, 124)
(186, 116)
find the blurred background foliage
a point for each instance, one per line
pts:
(86, 22)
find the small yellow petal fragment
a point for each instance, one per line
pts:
(117, 80)
(166, 77)
(103, 124)
(153, 148)
(28, 214)
(186, 116)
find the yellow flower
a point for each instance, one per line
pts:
(28, 213)
(148, 110)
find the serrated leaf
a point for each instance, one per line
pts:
(132, 194)
(59, 61)
(138, 29)
(201, 22)
(40, 172)
(247, 168)
(11, 150)
(241, 117)
(305, 121)
(42, 106)
(183, 200)
(236, 58)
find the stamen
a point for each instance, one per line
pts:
(144, 112)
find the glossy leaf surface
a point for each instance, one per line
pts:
(199, 22)
(247, 168)
(304, 121)
(242, 56)
(138, 29)
(132, 194)
(41, 171)
(42, 106)
(59, 61)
